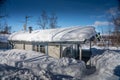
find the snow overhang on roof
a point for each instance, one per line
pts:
(55, 35)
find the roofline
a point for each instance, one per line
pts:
(48, 42)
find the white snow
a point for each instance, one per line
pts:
(59, 34)
(36, 66)
(106, 47)
(4, 38)
(108, 60)
(107, 66)
(23, 65)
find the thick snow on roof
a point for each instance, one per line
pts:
(53, 35)
(4, 38)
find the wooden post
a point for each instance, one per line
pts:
(46, 49)
(76, 50)
(80, 54)
(71, 51)
(24, 46)
(90, 46)
(13, 45)
(90, 53)
(37, 47)
(60, 51)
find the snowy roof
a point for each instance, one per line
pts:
(55, 35)
(4, 38)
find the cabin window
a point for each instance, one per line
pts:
(39, 48)
(36, 48)
(68, 52)
(42, 48)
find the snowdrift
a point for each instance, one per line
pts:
(107, 66)
(20, 64)
(23, 65)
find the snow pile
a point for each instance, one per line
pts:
(9, 57)
(107, 66)
(106, 47)
(20, 64)
(52, 35)
(30, 65)
(109, 59)
(4, 38)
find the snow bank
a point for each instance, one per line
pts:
(106, 47)
(9, 57)
(58, 34)
(20, 64)
(33, 65)
(107, 66)
(109, 59)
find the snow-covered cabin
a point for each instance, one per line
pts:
(59, 42)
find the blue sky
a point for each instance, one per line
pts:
(69, 12)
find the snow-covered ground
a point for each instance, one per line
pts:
(23, 65)
(107, 66)
(20, 64)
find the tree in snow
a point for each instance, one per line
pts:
(53, 21)
(43, 20)
(3, 27)
(115, 18)
(26, 22)
(7, 28)
(116, 22)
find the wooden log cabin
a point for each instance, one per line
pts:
(57, 43)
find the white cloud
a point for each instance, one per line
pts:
(102, 23)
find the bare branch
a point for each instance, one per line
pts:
(43, 20)
(53, 21)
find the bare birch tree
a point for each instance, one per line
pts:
(116, 22)
(43, 20)
(2, 13)
(53, 21)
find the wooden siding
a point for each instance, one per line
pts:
(18, 46)
(54, 51)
